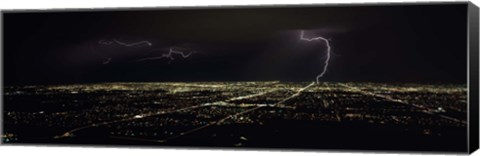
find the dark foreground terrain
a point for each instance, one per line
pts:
(368, 116)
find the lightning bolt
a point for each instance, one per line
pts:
(139, 43)
(169, 55)
(107, 60)
(327, 58)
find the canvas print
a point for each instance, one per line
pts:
(367, 77)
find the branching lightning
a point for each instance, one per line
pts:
(327, 58)
(134, 44)
(169, 55)
(107, 60)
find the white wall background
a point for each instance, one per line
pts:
(83, 151)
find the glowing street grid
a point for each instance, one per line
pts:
(247, 114)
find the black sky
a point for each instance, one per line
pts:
(415, 44)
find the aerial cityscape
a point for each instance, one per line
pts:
(247, 114)
(311, 77)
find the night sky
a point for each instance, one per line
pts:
(399, 44)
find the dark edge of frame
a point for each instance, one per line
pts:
(243, 6)
(473, 110)
(2, 126)
(472, 52)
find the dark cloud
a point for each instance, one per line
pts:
(421, 43)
